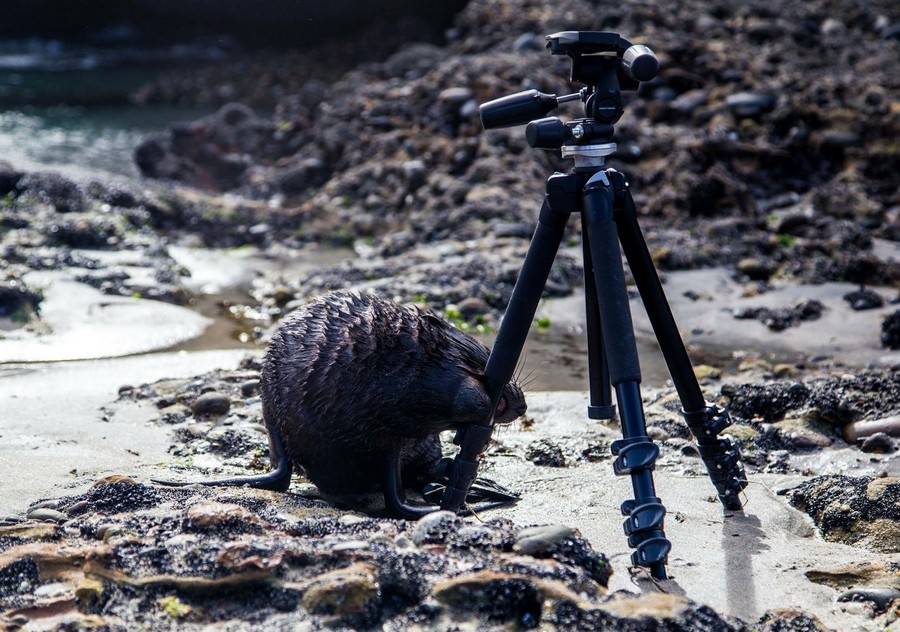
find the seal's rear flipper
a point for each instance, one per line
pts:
(484, 494)
(277, 480)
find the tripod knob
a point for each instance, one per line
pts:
(640, 63)
(547, 133)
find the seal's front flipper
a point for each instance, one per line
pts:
(394, 498)
(277, 480)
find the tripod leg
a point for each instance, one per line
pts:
(559, 202)
(636, 452)
(601, 406)
(706, 421)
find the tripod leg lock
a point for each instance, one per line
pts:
(644, 528)
(650, 552)
(633, 454)
(708, 422)
(720, 455)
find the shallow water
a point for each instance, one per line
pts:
(83, 142)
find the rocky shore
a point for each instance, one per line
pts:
(765, 151)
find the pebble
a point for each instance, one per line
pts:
(211, 403)
(249, 388)
(199, 429)
(435, 528)
(457, 95)
(863, 299)
(749, 104)
(879, 596)
(863, 428)
(536, 540)
(878, 443)
(545, 453)
(45, 514)
(51, 590)
(528, 42)
(754, 269)
(689, 101)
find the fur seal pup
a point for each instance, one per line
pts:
(355, 390)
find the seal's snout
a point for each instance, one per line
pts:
(511, 405)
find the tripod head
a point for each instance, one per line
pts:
(607, 64)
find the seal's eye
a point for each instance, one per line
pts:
(502, 405)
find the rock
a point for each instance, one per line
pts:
(344, 592)
(754, 269)
(536, 540)
(781, 318)
(435, 528)
(211, 514)
(494, 596)
(879, 443)
(545, 452)
(880, 597)
(210, 153)
(211, 404)
(689, 101)
(46, 515)
(790, 620)
(862, 511)
(864, 298)
(890, 331)
(650, 612)
(749, 104)
(249, 388)
(860, 573)
(857, 430)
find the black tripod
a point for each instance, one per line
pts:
(606, 63)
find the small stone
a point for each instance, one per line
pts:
(44, 514)
(528, 42)
(705, 371)
(351, 519)
(890, 331)
(785, 370)
(174, 414)
(536, 540)
(472, 307)
(435, 528)
(863, 428)
(519, 230)
(749, 104)
(880, 597)
(839, 139)
(350, 545)
(863, 299)
(455, 95)
(689, 101)
(754, 269)
(209, 404)
(545, 453)
(344, 592)
(250, 388)
(55, 589)
(831, 26)
(210, 514)
(89, 591)
(198, 430)
(878, 443)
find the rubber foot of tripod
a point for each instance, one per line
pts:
(602, 412)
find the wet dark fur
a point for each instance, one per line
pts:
(350, 380)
